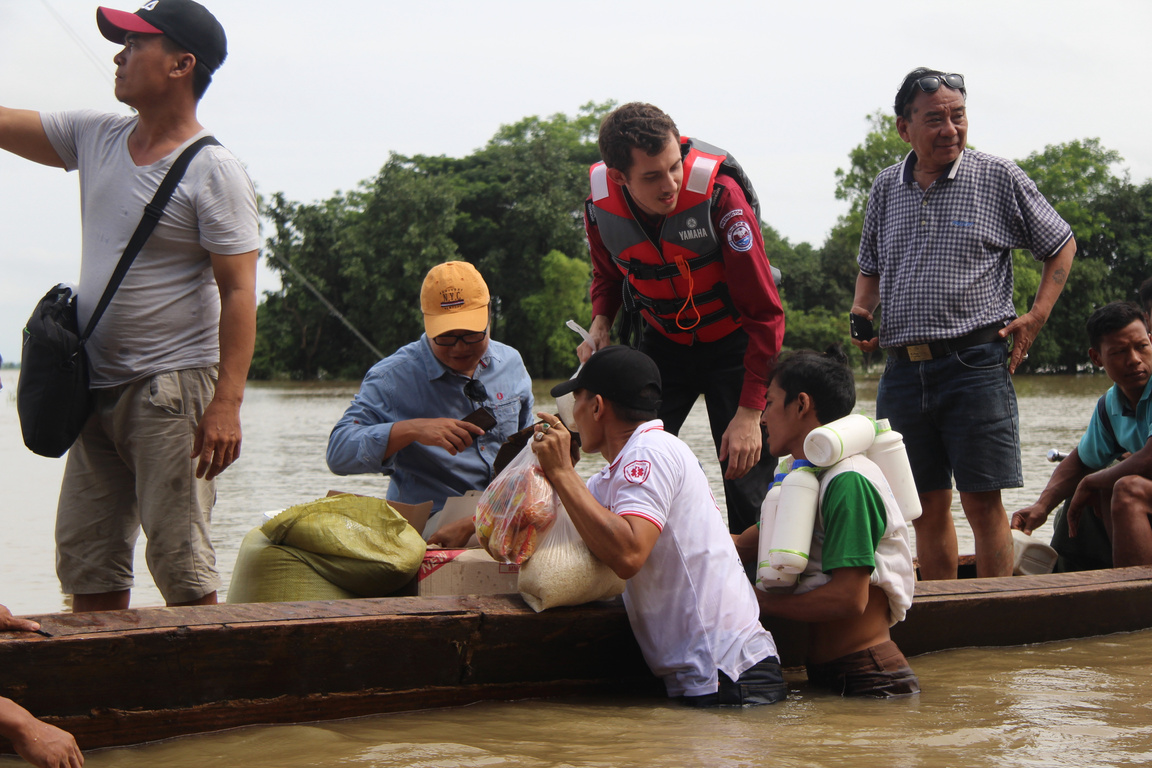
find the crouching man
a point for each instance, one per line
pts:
(650, 516)
(1119, 495)
(860, 579)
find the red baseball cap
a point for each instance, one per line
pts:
(186, 22)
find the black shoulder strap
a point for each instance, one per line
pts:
(1106, 420)
(152, 213)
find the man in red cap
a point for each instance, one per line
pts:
(169, 357)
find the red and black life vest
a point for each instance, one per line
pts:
(678, 287)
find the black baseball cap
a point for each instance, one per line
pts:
(189, 24)
(618, 374)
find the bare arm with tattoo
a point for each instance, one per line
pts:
(1025, 328)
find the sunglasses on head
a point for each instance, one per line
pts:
(931, 83)
(450, 339)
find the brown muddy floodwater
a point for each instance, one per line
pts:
(1082, 703)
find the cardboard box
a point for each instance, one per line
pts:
(415, 514)
(462, 572)
(455, 508)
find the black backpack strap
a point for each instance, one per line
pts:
(1105, 420)
(152, 213)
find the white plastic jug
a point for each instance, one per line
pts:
(766, 575)
(795, 519)
(888, 453)
(838, 439)
(1031, 557)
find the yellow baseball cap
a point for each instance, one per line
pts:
(454, 297)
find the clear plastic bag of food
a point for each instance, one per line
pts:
(516, 510)
(565, 572)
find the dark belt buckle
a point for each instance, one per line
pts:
(919, 352)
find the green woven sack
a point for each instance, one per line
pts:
(266, 573)
(358, 544)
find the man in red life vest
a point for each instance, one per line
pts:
(675, 239)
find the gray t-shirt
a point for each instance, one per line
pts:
(166, 314)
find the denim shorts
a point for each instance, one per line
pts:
(958, 417)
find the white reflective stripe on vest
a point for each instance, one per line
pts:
(701, 174)
(599, 182)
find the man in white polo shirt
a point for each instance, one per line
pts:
(650, 516)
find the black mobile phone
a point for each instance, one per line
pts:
(481, 417)
(860, 327)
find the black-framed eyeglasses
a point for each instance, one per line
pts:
(450, 339)
(931, 83)
(474, 391)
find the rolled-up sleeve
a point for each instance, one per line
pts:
(359, 440)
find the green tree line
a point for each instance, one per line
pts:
(514, 208)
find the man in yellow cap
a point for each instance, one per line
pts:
(408, 419)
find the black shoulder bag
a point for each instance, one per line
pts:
(52, 395)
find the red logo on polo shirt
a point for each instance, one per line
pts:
(637, 471)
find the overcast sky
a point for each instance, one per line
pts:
(315, 95)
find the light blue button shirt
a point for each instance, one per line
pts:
(413, 384)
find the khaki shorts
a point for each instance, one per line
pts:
(131, 469)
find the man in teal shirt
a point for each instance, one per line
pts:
(1120, 494)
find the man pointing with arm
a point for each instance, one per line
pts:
(169, 358)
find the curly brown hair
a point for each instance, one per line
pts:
(635, 124)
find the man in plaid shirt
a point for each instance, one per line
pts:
(936, 251)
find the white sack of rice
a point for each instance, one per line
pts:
(564, 572)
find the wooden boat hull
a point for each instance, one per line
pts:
(125, 677)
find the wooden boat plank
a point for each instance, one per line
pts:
(1030, 609)
(1080, 579)
(67, 624)
(201, 664)
(155, 673)
(125, 677)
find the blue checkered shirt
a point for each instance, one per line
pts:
(944, 255)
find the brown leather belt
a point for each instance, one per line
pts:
(932, 350)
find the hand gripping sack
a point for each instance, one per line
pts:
(516, 509)
(564, 571)
(52, 395)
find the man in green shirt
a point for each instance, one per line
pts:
(859, 579)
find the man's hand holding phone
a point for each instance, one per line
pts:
(481, 417)
(862, 332)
